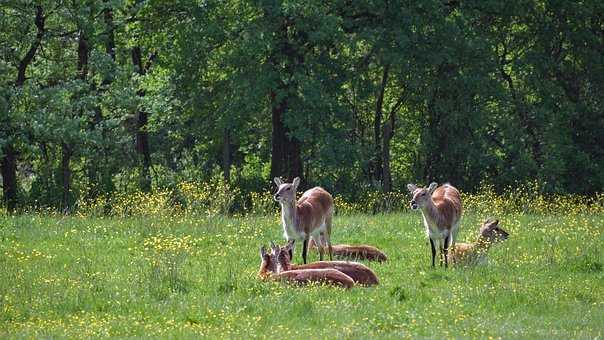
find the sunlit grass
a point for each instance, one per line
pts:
(172, 273)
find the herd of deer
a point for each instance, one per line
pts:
(309, 220)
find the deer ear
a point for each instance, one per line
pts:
(432, 187)
(296, 182)
(274, 248)
(278, 181)
(411, 187)
(262, 252)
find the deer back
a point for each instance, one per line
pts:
(447, 201)
(358, 272)
(306, 276)
(313, 207)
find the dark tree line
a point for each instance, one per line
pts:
(100, 96)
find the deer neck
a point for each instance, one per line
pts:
(289, 215)
(264, 269)
(430, 212)
(482, 244)
(284, 264)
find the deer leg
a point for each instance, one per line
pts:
(319, 244)
(440, 253)
(327, 237)
(304, 249)
(446, 248)
(433, 252)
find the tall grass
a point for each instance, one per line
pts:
(169, 271)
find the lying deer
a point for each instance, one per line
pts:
(471, 253)
(359, 273)
(309, 217)
(441, 209)
(356, 252)
(302, 277)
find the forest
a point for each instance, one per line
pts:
(102, 97)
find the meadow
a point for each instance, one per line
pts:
(185, 275)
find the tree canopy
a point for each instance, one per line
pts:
(103, 96)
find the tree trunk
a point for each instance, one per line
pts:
(9, 177)
(528, 122)
(95, 183)
(66, 153)
(142, 136)
(377, 124)
(9, 157)
(286, 151)
(226, 154)
(387, 137)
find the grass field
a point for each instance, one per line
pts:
(187, 277)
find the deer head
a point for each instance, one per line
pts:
(286, 192)
(267, 264)
(421, 196)
(281, 255)
(490, 231)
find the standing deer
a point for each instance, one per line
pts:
(303, 276)
(471, 253)
(441, 209)
(359, 273)
(309, 217)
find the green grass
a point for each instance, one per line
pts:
(186, 277)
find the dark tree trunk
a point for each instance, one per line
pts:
(66, 153)
(110, 40)
(377, 124)
(8, 163)
(388, 133)
(286, 156)
(9, 177)
(95, 183)
(226, 154)
(286, 160)
(142, 135)
(528, 122)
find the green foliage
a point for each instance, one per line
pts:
(469, 93)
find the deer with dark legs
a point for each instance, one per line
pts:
(309, 217)
(441, 210)
(329, 276)
(359, 273)
(473, 253)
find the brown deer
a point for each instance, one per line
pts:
(309, 217)
(441, 209)
(302, 277)
(356, 252)
(359, 273)
(472, 253)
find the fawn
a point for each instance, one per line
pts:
(356, 252)
(359, 273)
(302, 277)
(441, 210)
(309, 217)
(470, 253)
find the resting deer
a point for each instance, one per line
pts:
(359, 273)
(441, 209)
(309, 217)
(471, 253)
(356, 252)
(305, 276)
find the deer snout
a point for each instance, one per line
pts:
(276, 197)
(413, 205)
